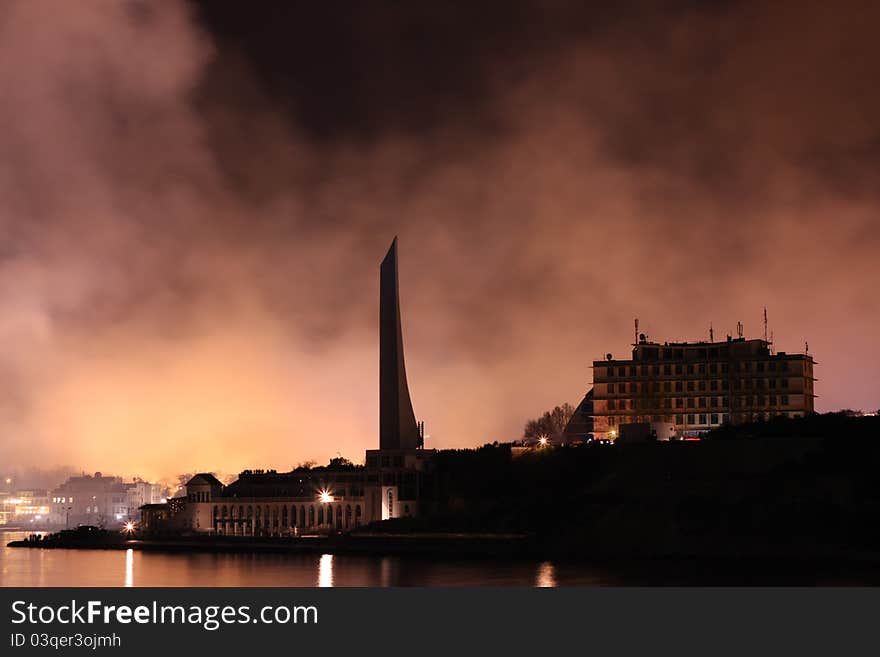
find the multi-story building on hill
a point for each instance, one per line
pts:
(697, 386)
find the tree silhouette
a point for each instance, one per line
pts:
(550, 425)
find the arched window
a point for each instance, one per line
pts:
(357, 515)
(347, 516)
(224, 510)
(284, 516)
(311, 516)
(320, 515)
(338, 517)
(250, 512)
(214, 514)
(302, 516)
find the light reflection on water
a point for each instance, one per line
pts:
(129, 567)
(38, 567)
(325, 571)
(546, 576)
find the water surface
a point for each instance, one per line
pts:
(57, 567)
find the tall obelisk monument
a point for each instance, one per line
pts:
(397, 422)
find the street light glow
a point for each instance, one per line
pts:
(542, 440)
(326, 497)
(129, 527)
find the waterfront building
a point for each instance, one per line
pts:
(103, 501)
(24, 507)
(696, 386)
(138, 493)
(338, 497)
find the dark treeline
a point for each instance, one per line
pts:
(786, 486)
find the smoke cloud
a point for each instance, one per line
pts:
(192, 225)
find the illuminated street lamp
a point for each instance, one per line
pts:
(543, 441)
(325, 497)
(128, 528)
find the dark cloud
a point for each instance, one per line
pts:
(195, 199)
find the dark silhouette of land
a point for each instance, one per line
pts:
(793, 488)
(802, 486)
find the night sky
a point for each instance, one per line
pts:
(195, 198)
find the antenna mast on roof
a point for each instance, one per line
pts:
(711, 333)
(636, 341)
(765, 323)
(739, 329)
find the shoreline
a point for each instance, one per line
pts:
(449, 545)
(465, 546)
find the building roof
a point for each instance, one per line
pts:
(580, 424)
(204, 478)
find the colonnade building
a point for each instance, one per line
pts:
(338, 497)
(698, 386)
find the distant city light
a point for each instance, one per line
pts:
(542, 440)
(612, 434)
(326, 497)
(129, 527)
(8, 480)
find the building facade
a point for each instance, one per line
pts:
(103, 501)
(698, 386)
(25, 508)
(302, 501)
(138, 493)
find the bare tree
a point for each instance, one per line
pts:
(550, 425)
